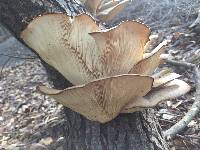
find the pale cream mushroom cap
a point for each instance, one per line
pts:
(150, 62)
(92, 5)
(172, 89)
(99, 62)
(104, 10)
(109, 11)
(121, 47)
(102, 100)
(65, 43)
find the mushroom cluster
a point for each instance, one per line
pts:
(109, 68)
(104, 10)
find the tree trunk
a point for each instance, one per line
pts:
(126, 132)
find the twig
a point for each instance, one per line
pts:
(192, 137)
(189, 139)
(197, 21)
(181, 63)
(195, 109)
(168, 121)
(195, 59)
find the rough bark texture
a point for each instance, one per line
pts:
(126, 132)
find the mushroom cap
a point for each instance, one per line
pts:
(105, 10)
(150, 62)
(80, 51)
(170, 90)
(103, 63)
(100, 100)
(108, 11)
(92, 5)
(164, 79)
(121, 47)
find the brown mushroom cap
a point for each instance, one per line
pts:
(102, 100)
(65, 43)
(92, 5)
(104, 10)
(151, 61)
(107, 4)
(108, 11)
(164, 79)
(121, 47)
(170, 90)
(80, 51)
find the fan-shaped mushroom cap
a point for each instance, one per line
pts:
(107, 4)
(121, 47)
(105, 10)
(102, 100)
(65, 44)
(159, 81)
(109, 11)
(151, 61)
(171, 90)
(82, 53)
(92, 5)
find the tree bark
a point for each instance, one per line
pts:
(139, 131)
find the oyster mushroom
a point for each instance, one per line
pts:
(102, 100)
(173, 89)
(109, 68)
(105, 10)
(81, 51)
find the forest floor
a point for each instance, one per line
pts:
(25, 114)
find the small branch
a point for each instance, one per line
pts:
(197, 21)
(189, 136)
(181, 63)
(195, 109)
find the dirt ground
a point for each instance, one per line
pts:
(27, 117)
